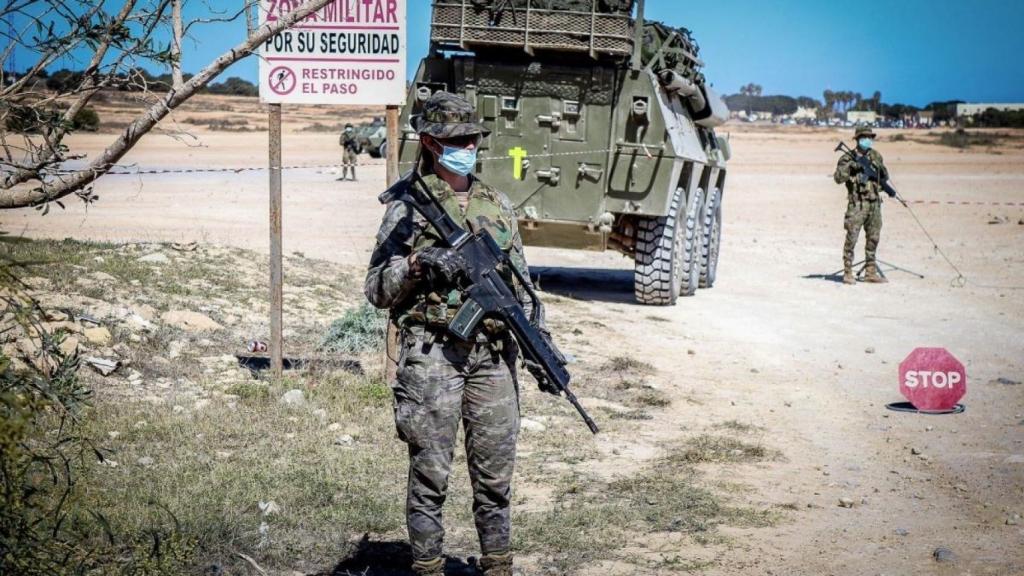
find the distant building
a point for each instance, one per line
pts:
(963, 110)
(862, 117)
(804, 113)
(753, 116)
(925, 118)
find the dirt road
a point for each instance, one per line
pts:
(811, 361)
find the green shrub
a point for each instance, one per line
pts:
(964, 139)
(48, 525)
(86, 119)
(27, 119)
(358, 330)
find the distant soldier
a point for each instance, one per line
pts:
(443, 381)
(864, 209)
(350, 148)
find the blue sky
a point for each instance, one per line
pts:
(913, 51)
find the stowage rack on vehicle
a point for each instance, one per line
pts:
(601, 129)
(591, 26)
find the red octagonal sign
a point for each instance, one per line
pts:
(932, 379)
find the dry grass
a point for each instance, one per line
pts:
(211, 466)
(710, 448)
(593, 521)
(199, 444)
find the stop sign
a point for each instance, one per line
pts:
(932, 379)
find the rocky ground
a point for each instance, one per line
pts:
(744, 430)
(304, 475)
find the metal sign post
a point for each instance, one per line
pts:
(391, 117)
(344, 53)
(276, 264)
(389, 361)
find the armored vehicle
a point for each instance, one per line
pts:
(602, 129)
(372, 137)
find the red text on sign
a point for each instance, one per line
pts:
(341, 11)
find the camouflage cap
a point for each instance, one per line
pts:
(446, 115)
(864, 130)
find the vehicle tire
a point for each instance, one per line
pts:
(658, 267)
(712, 235)
(692, 243)
(375, 152)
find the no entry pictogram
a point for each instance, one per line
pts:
(282, 80)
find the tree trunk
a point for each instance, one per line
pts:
(176, 45)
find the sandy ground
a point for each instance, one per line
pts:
(810, 360)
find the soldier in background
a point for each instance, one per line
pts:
(864, 209)
(442, 381)
(350, 148)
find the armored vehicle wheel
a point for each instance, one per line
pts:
(693, 240)
(711, 238)
(658, 268)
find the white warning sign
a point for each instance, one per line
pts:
(348, 52)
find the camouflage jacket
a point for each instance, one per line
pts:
(389, 282)
(848, 172)
(349, 142)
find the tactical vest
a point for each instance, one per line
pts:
(866, 191)
(484, 211)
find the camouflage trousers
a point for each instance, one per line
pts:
(348, 162)
(864, 214)
(440, 383)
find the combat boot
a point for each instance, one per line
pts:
(871, 275)
(496, 564)
(848, 277)
(431, 567)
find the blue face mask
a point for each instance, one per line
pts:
(458, 160)
(864, 143)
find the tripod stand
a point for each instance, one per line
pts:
(881, 271)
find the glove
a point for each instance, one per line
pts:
(441, 264)
(537, 371)
(538, 374)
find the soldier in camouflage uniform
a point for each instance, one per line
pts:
(864, 209)
(350, 148)
(441, 380)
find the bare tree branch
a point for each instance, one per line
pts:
(76, 182)
(48, 57)
(89, 85)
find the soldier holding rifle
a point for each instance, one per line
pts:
(417, 273)
(863, 172)
(350, 150)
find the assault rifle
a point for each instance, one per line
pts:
(487, 293)
(868, 172)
